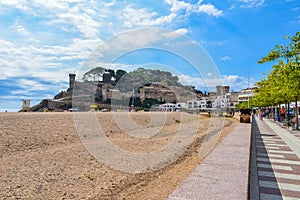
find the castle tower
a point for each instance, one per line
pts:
(219, 90)
(71, 80)
(26, 105)
(226, 89)
(107, 77)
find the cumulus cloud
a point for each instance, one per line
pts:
(199, 7)
(178, 9)
(50, 62)
(90, 17)
(143, 17)
(210, 10)
(82, 16)
(181, 31)
(178, 5)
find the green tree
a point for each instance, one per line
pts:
(94, 74)
(119, 74)
(283, 82)
(111, 71)
(141, 77)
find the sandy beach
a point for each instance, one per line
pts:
(42, 156)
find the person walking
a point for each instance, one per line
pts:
(261, 114)
(282, 113)
(267, 112)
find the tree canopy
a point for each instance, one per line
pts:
(134, 79)
(94, 74)
(143, 76)
(138, 76)
(282, 84)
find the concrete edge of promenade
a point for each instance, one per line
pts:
(224, 173)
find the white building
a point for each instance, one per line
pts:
(222, 101)
(167, 107)
(181, 105)
(246, 94)
(201, 104)
(193, 104)
(171, 107)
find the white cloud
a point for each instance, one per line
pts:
(143, 17)
(236, 83)
(178, 5)
(181, 31)
(177, 33)
(250, 3)
(225, 58)
(21, 5)
(210, 10)
(50, 62)
(199, 7)
(30, 85)
(93, 18)
(83, 16)
(83, 22)
(206, 83)
(213, 43)
(20, 29)
(178, 9)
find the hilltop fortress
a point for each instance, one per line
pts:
(106, 92)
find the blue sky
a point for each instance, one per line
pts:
(42, 41)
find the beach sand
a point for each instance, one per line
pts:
(42, 156)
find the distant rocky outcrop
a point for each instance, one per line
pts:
(51, 105)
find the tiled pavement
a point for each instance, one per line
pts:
(277, 161)
(223, 174)
(296, 134)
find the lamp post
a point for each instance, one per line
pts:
(287, 116)
(296, 102)
(248, 87)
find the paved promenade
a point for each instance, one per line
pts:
(274, 166)
(224, 172)
(276, 169)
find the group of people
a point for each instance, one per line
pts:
(261, 113)
(264, 113)
(282, 115)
